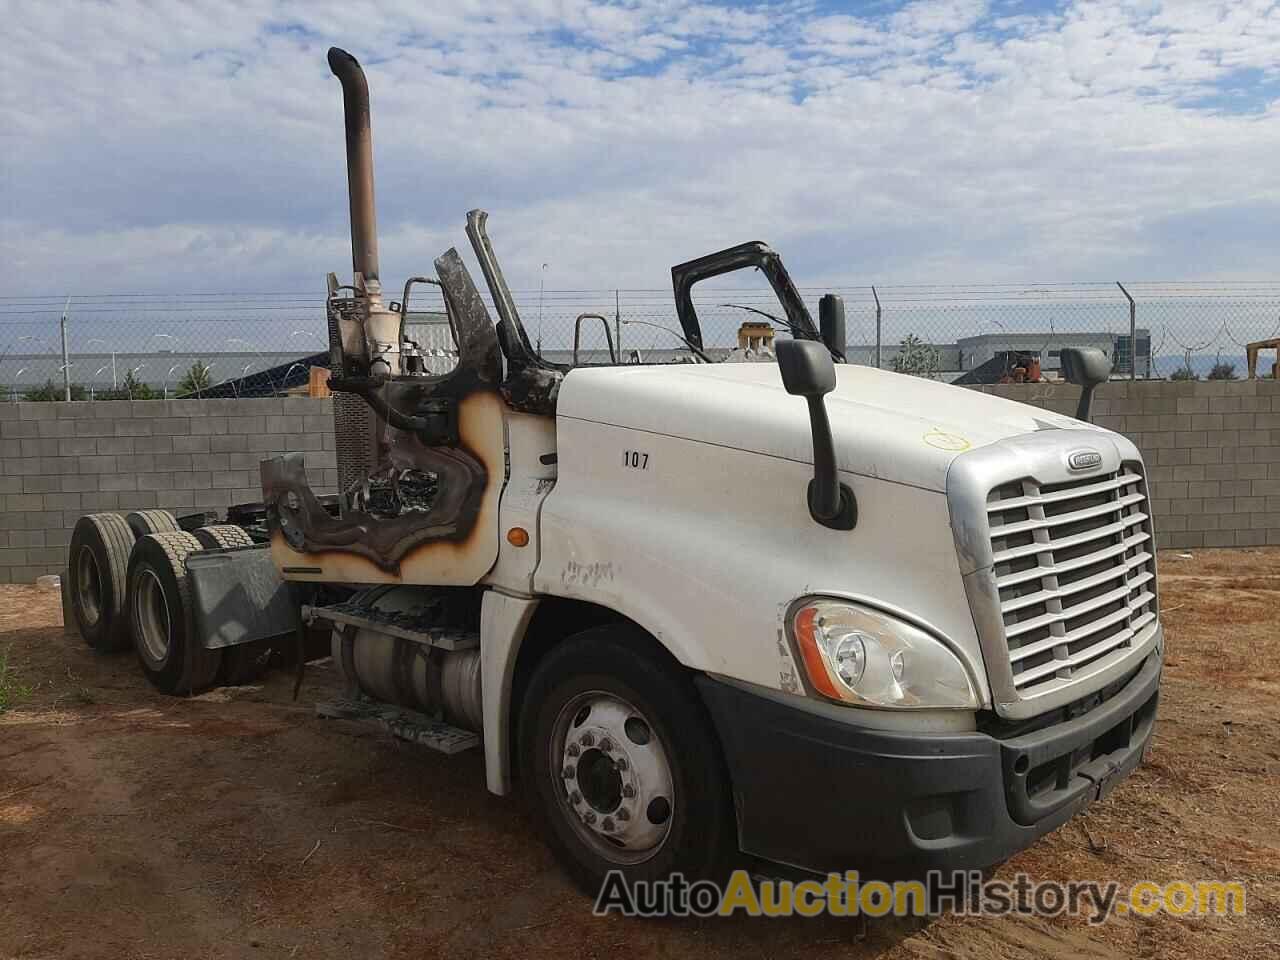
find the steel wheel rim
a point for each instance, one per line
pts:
(89, 586)
(151, 617)
(612, 777)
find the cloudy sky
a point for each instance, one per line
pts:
(172, 147)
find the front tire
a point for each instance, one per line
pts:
(620, 762)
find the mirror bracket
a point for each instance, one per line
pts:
(846, 516)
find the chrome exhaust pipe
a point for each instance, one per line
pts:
(364, 220)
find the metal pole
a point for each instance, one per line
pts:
(1133, 332)
(66, 364)
(617, 320)
(877, 296)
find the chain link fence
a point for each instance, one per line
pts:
(241, 344)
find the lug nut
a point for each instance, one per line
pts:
(628, 790)
(590, 817)
(621, 763)
(568, 773)
(575, 798)
(573, 750)
(588, 740)
(608, 824)
(624, 814)
(606, 744)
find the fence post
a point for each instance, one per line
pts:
(877, 299)
(1133, 332)
(66, 362)
(617, 320)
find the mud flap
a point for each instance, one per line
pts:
(237, 597)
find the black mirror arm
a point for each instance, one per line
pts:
(1086, 401)
(831, 503)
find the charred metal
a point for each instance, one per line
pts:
(407, 475)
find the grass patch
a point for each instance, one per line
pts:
(12, 690)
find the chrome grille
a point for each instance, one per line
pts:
(1075, 571)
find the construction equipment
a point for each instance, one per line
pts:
(802, 612)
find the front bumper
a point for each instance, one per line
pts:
(823, 795)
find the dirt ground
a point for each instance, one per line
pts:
(238, 824)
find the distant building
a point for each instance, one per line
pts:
(974, 351)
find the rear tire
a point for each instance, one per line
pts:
(143, 522)
(97, 565)
(159, 615)
(222, 535)
(620, 763)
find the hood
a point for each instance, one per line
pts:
(886, 425)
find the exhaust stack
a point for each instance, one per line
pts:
(364, 220)
(381, 327)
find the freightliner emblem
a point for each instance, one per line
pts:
(1084, 460)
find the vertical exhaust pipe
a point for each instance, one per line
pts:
(364, 221)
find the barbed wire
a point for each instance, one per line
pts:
(158, 336)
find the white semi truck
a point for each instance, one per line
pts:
(934, 639)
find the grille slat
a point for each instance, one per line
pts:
(1039, 573)
(1074, 540)
(1024, 526)
(1067, 613)
(1074, 571)
(1112, 483)
(1056, 667)
(1076, 586)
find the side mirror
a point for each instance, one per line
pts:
(1086, 367)
(807, 371)
(831, 324)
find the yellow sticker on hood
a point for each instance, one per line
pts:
(946, 441)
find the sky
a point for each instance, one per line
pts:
(166, 147)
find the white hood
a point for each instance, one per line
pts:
(886, 425)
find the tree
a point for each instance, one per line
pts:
(197, 378)
(1222, 370)
(917, 358)
(50, 391)
(131, 389)
(1184, 373)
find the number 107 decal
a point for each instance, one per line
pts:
(635, 459)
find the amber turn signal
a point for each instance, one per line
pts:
(518, 537)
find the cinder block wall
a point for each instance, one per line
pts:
(1212, 451)
(61, 460)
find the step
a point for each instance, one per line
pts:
(406, 724)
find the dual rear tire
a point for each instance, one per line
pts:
(128, 587)
(97, 564)
(158, 607)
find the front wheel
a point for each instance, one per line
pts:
(621, 764)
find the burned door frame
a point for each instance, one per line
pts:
(437, 463)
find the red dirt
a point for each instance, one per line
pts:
(238, 824)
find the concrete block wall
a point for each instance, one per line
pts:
(61, 460)
(1212, 451)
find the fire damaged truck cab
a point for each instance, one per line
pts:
(816, 615)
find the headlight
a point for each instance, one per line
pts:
(857, 655)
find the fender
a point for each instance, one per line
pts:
(504, 618)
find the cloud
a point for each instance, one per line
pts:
(179, 147)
